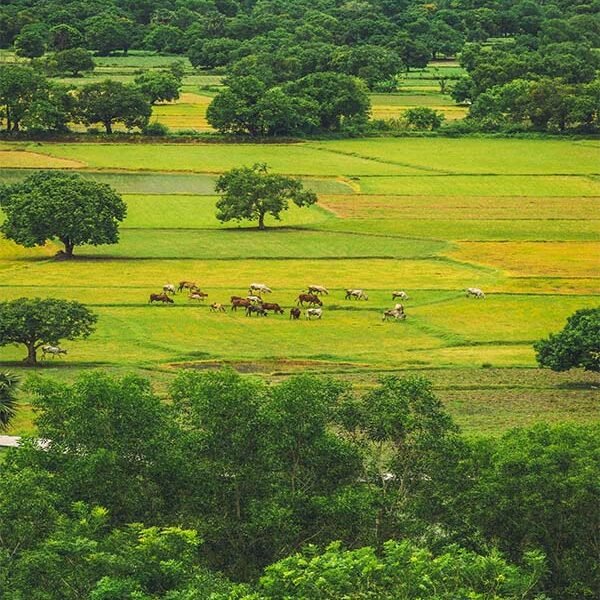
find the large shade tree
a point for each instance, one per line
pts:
(66, 206)
(34, 322)
(254, 193)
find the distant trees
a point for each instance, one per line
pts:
(74, 61)
(34, 322)
(31, 42)
(66, 206)
(107, 32)
(253, 193)
(577, 345)
(423, 118)
(109, 102)
(159, 86)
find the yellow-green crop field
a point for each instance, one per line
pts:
(519, 218)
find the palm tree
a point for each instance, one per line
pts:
(8, 398)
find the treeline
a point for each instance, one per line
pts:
(239, 489)
(30, 100)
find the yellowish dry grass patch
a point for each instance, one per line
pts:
(549, 259)
(26, 159)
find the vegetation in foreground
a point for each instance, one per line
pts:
(135, 496)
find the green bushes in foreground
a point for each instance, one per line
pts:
(132, 497)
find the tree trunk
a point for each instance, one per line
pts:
(31, 359)
(261, 221)
(69, 246)
(108, 125)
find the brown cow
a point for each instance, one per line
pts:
(198, 295)
(234, 298)
(310, 299)
(295, 313)
(187, 285)
(240, 302)
(273, 306)
(160, 298)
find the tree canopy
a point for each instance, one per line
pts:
(65, 206)
(253, 193)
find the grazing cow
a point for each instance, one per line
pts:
(53, 350)
(217, 307)
(261, 288)
(317, 289)
(255, 310)
(400, 294)
(314, 312)
(295, 313)
(187, 285)
(169, 288)
(475, 293)
(240, 302)
(273, 306)
(397, 314)
(398, 307)
(356, 295)
(234, 298)
(254, 299)
(199, 295)
(160, 298)
(310, 299)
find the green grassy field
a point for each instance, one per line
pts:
(518, 218)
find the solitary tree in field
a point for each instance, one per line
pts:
(8, 400)
(34, 322)
(577, 345)
(253, 193)
(74, 61)
(66, 206)
(159, 86)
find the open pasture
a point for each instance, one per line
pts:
(393, 214)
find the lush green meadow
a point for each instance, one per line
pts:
(518, 218)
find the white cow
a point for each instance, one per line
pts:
(169, 288)
(314, 312)
(317, 289)
(399, 294)
(356, 294)
(261, 288)
(53, 350)
(397, 314)
(475, 293)
(254, 299)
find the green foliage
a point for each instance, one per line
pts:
(159, 86)
(35, 322)
(577, 345)
(403, 571)
(65, 37)
(31, 42)
(74, 61)
(423, 118)
(253, 193)
(54, 204)
(108, 32)
(108, 102)
(8, 399)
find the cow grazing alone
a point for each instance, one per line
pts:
(261, 288)
(399, 294)
(475, 293)
(199, 295)
(397, 314)
(240, 302)
(317, 313)
(259, 311)
(295, 313)
(169, 288)
(53, 350)
(273, 306)
(187, 285)
(310, 299)
(318, 289)
(356, 295)
(160, 298)
(217, 307)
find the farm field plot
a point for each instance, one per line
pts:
(522, 224)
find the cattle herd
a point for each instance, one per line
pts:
(310, 299)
